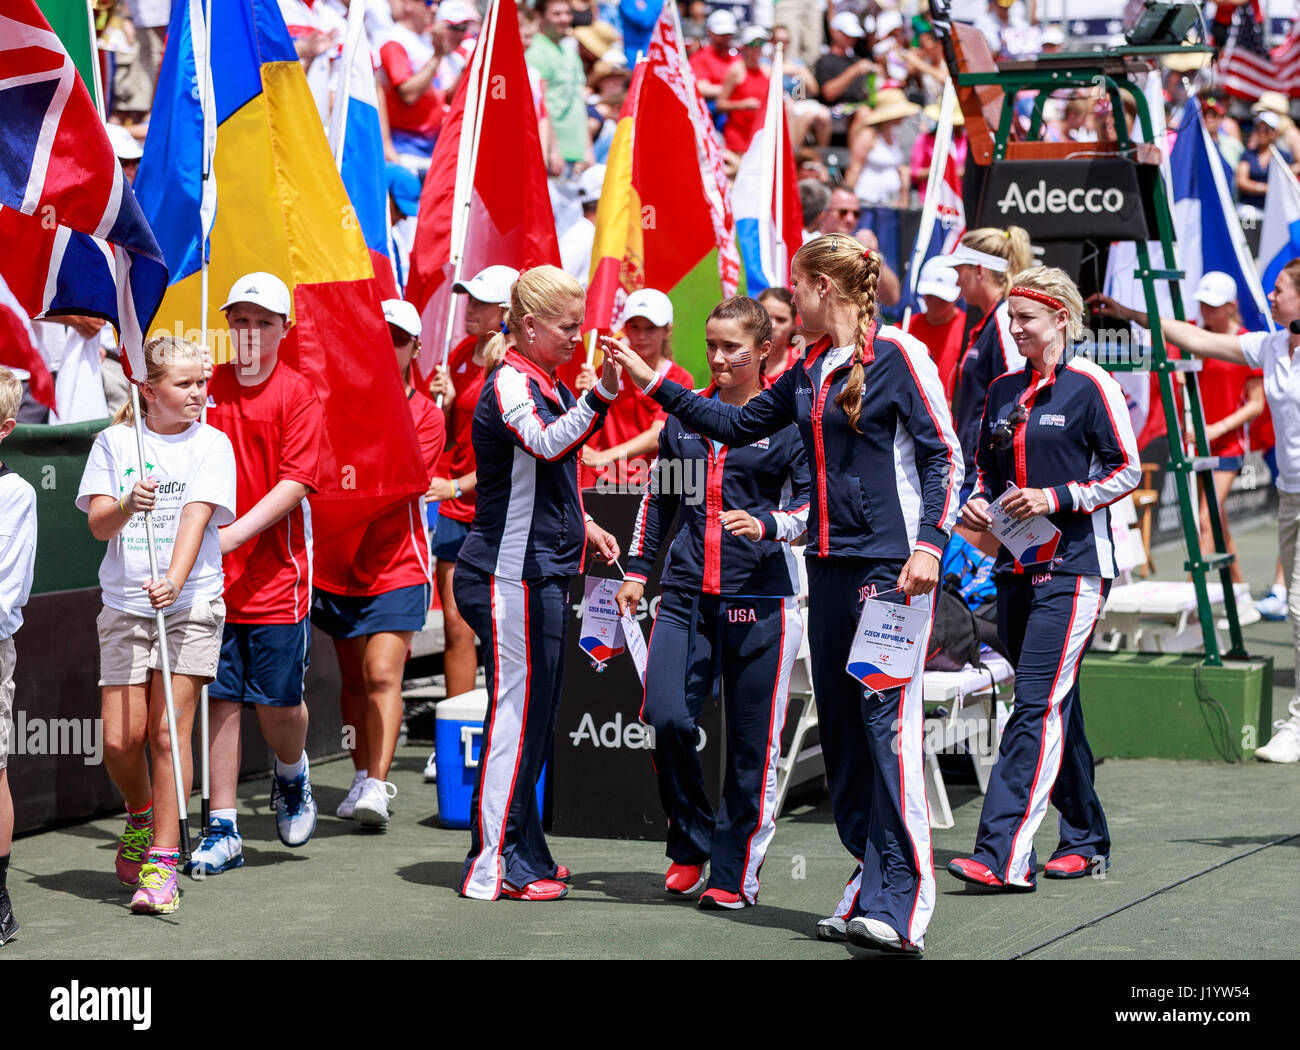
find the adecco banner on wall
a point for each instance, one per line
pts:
(1106, 198)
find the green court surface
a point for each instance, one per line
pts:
(350, 894)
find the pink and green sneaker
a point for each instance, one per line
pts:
(158, 892)
(132, 850)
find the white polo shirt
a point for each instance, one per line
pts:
(1271, 352)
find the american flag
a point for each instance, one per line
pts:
(1246, 69)
(1286, 58)
(75, 240)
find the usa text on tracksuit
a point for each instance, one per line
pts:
(511, 584)
(728, 609)
(1076, 444)
(878, 495)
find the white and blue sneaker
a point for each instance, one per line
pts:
(349, 803)
(1273, 605)
(222, 848)
(294, 807)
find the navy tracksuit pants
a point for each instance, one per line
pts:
(873, 745)
(750, 644)
(522, 627)
(1046, 621)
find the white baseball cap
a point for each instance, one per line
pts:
(721, 23)
(752, 35)
(401, 314)
(454, 12)
(846, 22)
(490, 285)
(261, 289)
(590, 183)
(1052, 35)
(1216, 288)
(887, 22)
(125, 145)
(1269, 118)
(651, 304)
(938, 280)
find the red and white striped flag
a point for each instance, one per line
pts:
(1286, 58)
(1246, 70)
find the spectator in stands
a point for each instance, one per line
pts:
(529, 23)
(786, 349)
(807, 116)
(414, 102)
(887, 51)
(695, 25)
(943, 323)
(317, 31)
(1252, 169)
(744, 93)
(593, 42)
(805, 19)
(845, 79)
(877, 170)
(608, 82)
(576, 241)
(554, 55)
(1225, 134)
(1232, 395)
(127, 148)
(927, 69)
(710, 64)
(843, 214)
(454, 35)
(814, 199)
(809, 165)
(1288, 134)
(1052, 40)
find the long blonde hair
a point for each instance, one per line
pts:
(542, 292)
(1011, 244)
(160, 353)
(853, 272)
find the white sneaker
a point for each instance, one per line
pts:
(832, 929)
(349, 802)
(1285, 745)
(1246, 614)
(371, 809)
(879, 936)
(1273, 605)
(431, 768)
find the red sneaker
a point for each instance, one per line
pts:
(722, 900)
(562, 873)
(541, 890)
(1074, 866)
(973, 871)
(684, 879)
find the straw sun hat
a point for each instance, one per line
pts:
(891, 104)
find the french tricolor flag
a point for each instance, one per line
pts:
(769, 223)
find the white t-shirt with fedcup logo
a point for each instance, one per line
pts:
(194, 466)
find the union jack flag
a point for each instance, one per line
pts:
(75, 240)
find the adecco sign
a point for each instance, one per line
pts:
(1071, 200)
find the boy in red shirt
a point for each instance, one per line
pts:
(943, 324)
(274, 421)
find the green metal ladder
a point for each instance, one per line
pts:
(1111, 70)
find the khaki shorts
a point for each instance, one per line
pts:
(128, 645)
(7, 661)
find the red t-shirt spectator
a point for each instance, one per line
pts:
(741, 124)
(709, 66)
(401, 56)
(631, 415)
(392, 551)
(276, 430)
(1223, 385)
(944, 343)
(458, 457)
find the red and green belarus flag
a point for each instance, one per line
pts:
(664, 219)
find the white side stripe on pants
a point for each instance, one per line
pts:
(503, 742)
(791, 636)
(911, 784)
(1083, 615)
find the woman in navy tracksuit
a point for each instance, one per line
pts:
(512, 577)
(1059, 431)
(986, 260)
(870, 409)
(729, 609)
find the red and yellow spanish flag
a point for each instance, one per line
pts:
(664, 219)
(280, 206)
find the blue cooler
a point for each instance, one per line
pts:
(458, 740)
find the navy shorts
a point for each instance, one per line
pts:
(448, 537)
(1230, 463)
(263, 663)
(352, 616)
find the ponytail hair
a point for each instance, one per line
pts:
(160, 353)
(853, 272)
(1011, 244)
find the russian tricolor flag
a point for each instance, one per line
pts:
(1279, 239)
(769, 222)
